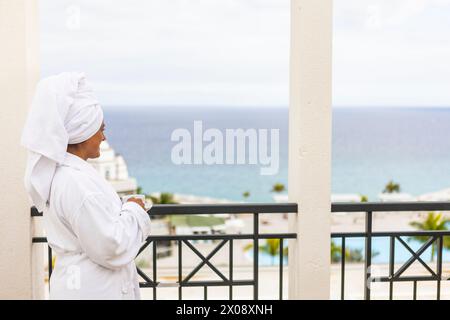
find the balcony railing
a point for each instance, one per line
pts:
(393, 276)
(227, 281)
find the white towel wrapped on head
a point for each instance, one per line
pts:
(64, 111)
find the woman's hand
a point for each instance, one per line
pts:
(138, 201)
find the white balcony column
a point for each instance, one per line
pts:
(21, 274)
(310, 148)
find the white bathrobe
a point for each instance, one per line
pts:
(94, 237)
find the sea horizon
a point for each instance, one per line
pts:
(371, 146)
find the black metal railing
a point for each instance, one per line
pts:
(432, 238)
(369, 208)
(227, 281)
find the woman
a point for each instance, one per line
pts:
(94, 236)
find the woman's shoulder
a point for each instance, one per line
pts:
(71, 183)
(69, 189)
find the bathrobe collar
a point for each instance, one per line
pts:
(77, 163)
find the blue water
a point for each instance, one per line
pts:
(380, 251)
(370, 147)
(143, 138)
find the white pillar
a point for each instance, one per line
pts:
(20, 278)
(310, 148)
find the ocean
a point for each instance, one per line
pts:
(371, 146)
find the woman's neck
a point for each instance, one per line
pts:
(77, 153)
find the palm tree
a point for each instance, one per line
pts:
(433, 221)
(364, 198)
(351, 255)
(391, 187)
(164, 198)
(278, 187)
(336, 252)
(271, 247)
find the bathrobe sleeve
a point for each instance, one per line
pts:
(110, 239)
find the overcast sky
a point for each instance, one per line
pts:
(236, 52)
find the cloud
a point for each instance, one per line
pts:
(391, 53)
(231, 46)
(204, 52)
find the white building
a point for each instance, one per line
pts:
(335, 197)
(395, 197)
(441, 195)
(113, 168)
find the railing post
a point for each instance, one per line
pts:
(180, 269)
(343, 249)
(368, 258)
(439, 266)
(21, 265)
(391, 266)
(309, 175)
(255, 255)
(230, 263)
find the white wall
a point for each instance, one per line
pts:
(310, 148)
(18, 75)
